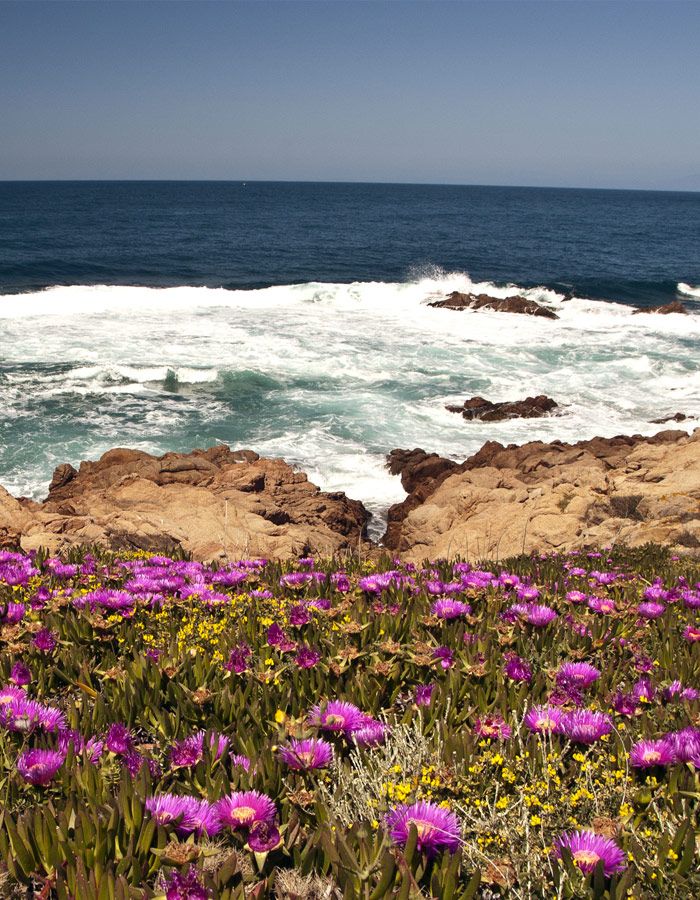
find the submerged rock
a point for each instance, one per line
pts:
(460, 301)
(503, 501)
(213, 504)
(485, 411)
(676, 417)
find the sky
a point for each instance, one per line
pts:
(579, 94)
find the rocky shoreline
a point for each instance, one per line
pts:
(221, 504)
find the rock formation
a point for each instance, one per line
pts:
(675, 306)
(459, 301)
(214, 504)
(476, 408)
(538, 496)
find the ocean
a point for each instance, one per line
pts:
(293, 319)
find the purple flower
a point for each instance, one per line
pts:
(299, 615)
(238, 659)
(450, 609)
(424, 694)
(119, 739)
(242, 809)
(647, 754)
(588, 849)
(312, 753)
(691, 633)
(493, 727)
(685, 744)
(578, 675)
(167, 809)
(306, 657)
(445, 656)
(576, 597)
(601, 604)
(517, 668)
(584, 726)
(544, 719)
(44, 640)
(20, 714)
(199, 817)
(651, 610)
(21, 674)
(337, 715)
(185, 887)
(263, 837)
(371, 733)
(438, 828)
(39, 766)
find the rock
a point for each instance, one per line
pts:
(675, 306)
(505, 500)
(486, 411)
(460, 301)
(676, 417)
(215, 504)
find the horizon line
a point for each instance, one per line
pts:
(345, 182)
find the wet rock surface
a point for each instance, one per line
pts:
(460, 301)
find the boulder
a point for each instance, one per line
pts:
(460, 301)
(675, 306)
(676, 417)
(506, 500)
(477, 408)
(214, 504)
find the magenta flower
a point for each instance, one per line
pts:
(39, 766)
(588, 849)
(584, 726)
(21, 674)
(241, 809)
(578, 675)
(198, 817)
(438, 828)
(576, 597)
(24, 715)
(306, 657)
(167, 809)
(44, 640)
(337, 715)
(263, 837)
(185, 887)
(238, 659)
(544, 719)
(312, 753)
(371, 733)
(692, 634)
(444, 656)
(424, 694)
(299, 615)
(450, 609)
(493, 727)
(517, 669)
(647, 754)
(119, 739)
(651, 609)
(685, 744)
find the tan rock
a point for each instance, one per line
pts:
(214, 504)
(507, 500)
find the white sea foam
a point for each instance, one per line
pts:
(689, 290)
(329, 376)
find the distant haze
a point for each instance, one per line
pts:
(590, 94)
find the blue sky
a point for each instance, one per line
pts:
(591, 94)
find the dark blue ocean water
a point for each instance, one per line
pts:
(295, 319)
(631, 246)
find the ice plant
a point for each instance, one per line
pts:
(584, 726)
(242, 809)
(39, 766)
(647, 754)
(450, 609)
(337, 715)
(312, 753)
(578, 674)
(493, 727)
(544, 719)
(185, 886)
(437, 828)
(588, 849)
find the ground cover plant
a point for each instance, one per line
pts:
(349, 729)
